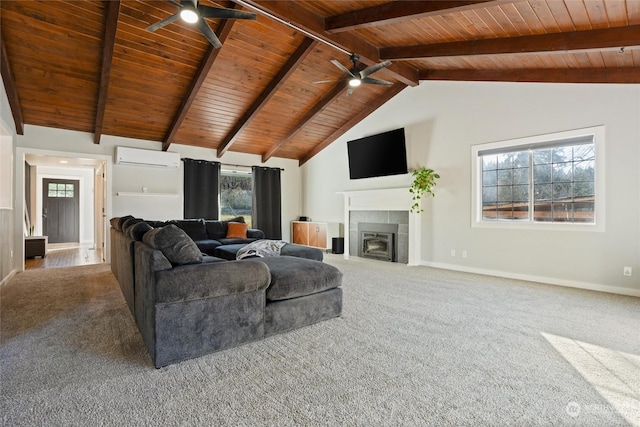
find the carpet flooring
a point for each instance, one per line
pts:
(415, 346)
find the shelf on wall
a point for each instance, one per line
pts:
(125, 193)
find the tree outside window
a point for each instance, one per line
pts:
(236, 195)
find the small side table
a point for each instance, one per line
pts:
(35, 246)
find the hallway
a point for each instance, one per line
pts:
(64, 255)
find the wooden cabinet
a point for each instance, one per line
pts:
(35, 246)
(309, 234)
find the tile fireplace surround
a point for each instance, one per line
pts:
(392, 203)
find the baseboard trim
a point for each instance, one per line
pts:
(9, 277)
(540, 279)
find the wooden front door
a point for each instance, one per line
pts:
(61, 210)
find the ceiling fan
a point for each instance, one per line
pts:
(193, 13)
(356, 76)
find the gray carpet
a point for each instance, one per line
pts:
(415, 346)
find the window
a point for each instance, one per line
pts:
(236, 195)
(548, 179)
(60, 190)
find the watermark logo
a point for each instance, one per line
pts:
(573, 409)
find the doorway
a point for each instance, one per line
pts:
(67, 200)
(61, 210)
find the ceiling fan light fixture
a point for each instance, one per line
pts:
(355, 82)
(189, 15)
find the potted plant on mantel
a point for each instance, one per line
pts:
(424, 180)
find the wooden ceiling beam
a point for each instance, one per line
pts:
(305, 19)
(224, 29)
(308, 117)
(543, 75)
(398, 11)
(111, 24)
(305, 48)
(371, 107)
(608, 38)
(10, 88)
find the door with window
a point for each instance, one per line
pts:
(61, 210)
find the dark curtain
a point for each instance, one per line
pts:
(201, 189)
(267, 215)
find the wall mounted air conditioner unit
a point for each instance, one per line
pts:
(139, 157)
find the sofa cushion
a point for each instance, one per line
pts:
(230, 248)
(217, 229)
(254, 233)
(195, 228)
(138, 230)
(193, 282)
(301, 251)
(228, 251)
(174, 244)
(207, 246)
(293, 277)
(206, 259)
(236, 230)
(236, 241)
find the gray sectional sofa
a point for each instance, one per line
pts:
(187, 303)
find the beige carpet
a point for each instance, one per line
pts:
(415, 346)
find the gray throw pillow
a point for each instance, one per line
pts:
(128, 223)
(138, 230)
(175, 245)
(122, 220)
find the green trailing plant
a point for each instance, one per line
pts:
(423, 182)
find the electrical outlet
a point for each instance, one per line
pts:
(627, 271)
(453, 252)
(464, 254)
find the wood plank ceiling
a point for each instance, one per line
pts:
(90, 66)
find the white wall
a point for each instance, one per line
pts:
(9, 246)
(443, 120)
(125, 178)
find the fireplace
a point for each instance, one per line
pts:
(378, 241)
(386, 205)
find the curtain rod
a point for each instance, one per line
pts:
(245, 166)
(228, 164)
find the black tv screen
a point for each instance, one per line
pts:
(378, 155)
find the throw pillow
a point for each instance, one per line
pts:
(122, 220)
(128, 224)
(138, 230)
(175, 245)
(237, 230)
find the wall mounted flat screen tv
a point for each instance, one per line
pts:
(378, 155)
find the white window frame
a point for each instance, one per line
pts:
(598, 134)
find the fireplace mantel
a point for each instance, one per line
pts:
(385, 199)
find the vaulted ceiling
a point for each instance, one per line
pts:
(91, 66)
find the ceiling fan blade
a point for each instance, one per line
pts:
(371, 81)
(222, 13)
(162, 23)
(327, 81)
(209, 34)
(370, 70)
(343, 68)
